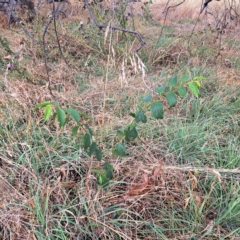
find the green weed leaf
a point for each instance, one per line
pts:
(93, 148)
(193, 87)
(109, 169)
(182, 91)
(44, 104)
(185, 78)
(157, 110)
(98, 154)
(197, 78)
(54, 116)
(96, 171)
(74, 114)
(120, 133)
(141, 117)
(88, 129)
(131, 134)
(173, 81)
(132, 114)
(48, 111)
(61, 116)
(84, 115)
(171, 99)
(198, 83)
(86, 141)
(120, 150)
(147, 98)
(74, 131)
(103, 179)
(160, 90)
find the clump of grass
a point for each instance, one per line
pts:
(189, 161)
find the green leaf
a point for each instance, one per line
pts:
(93, 148)
(103, 179)
(84, 115)
(193, 87)
(199, 78)
(173, 81)
(147, 98)
(120, 150)
(182, 91)
(86, 141)
(171, 99)
(61, 116)
(140, 117)
(55, 103)
(74, 114)
(131, 133)
(48, 111)
(185, 78)
(157, 110)
(160, 90)
(74, 131)
(132, 114)
(198, 83)
(109, 169)
(96, 171)
(98, 154)
(54, 116)
(120, 133)
(88, 129)
(44, 104)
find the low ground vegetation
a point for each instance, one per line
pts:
(178, 178)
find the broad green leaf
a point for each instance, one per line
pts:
(86, 141)
(61, 116)
(141, 117)
(48, 111)
(120, 133)
(131, 134)
(89, 129)
(54, 116)
(41, 105)
(132, 114)
(173, 81)
(55, 103)
(120, 150)
(193, 87)
(171, 99)
(147, 98)
(98, 154)
(157, 110)
(109, 169)
(185, 78)
(93, 148)
(198, 83)
(182, 91)
(74, 114)
(160, 90)
(74, 131)
(103, 179)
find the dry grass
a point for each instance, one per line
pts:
(164, 188)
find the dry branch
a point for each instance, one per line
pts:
(101, 26)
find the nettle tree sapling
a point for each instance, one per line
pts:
(151, 107)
